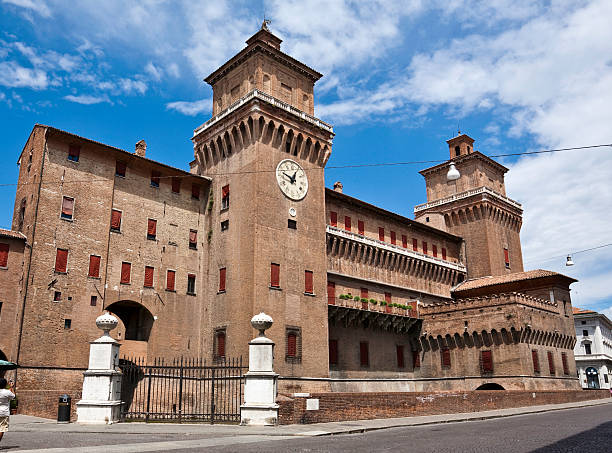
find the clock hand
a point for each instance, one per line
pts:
(290, 178)
(293, 177)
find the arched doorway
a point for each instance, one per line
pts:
(490, 386)
(592, 378)
(135, 317)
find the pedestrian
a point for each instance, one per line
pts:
(5, 401)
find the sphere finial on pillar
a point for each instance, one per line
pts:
(106, 323)
(261, 322)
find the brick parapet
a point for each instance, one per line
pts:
(489, 301)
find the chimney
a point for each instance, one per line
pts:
(338, 186)
(141, 148)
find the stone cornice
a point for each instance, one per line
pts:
(468, 193)
(460, 159)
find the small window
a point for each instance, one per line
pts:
(225, 225)
(415, 245)
(57, 296)
(443, 253)
(331, 293)
(333, 352)
(74, 152)
(585, 333)
(176, 184)
(225, 197)
(155, 175)
(564, 363)
(333, 218)
(587, 349)
(551, 363)
(507, 258)
(120, 167)
(170, 277)
(388, 298)
(404, 241)
(4, 253)
(364, 293)
(293, 340)
(193, 239)
(291, 224)
(61, 260)
(67, 323)
(94, 266)
(393, 238)
(219, 344)
(148, 279)
(116, 220)
(308, 282)
(275, 275)
(222, 275)
(381, 234)
(457, 151)
(67, 208)
(536, 361)
(151, 229)
(126, 271)
(583, 322)
(195, 191)
(93, 301)
(486, 362)
(445, 358)
(361, 227)
(191, 284)
(364, 355)
(399, 352)
(416, 359)
(424, 248)
(434, 251)
(347, 223)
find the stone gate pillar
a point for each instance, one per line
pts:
(101, 397)
(260, 386)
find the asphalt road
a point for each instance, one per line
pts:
(586, 429)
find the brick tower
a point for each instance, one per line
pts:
(265, 153)
(475, 207)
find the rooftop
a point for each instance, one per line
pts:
(483, 282)
(12, 234)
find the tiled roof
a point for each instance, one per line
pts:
(582, 311)
(12, 234)
(508, 278)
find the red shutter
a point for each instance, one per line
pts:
(381, 233)
(308, 285)
(551, 363)
(225, 191)
(152, 227)
(400, 356)
(506, 257)
(416, 359)
(67, 207)
(364, 293)
(333, 219)
(115, 219)
(564, 361)
(120, 168)
(388, 298)
(393, 240)
(221, 344)
(404, 241)
(347, 223)
(222, 273)
(195, 191)
(292, 345)
(74, 151)
(155, 178)
(331, 293)
(536, 361)
(176, 185)
(4, 250)
(487, 361)
(333, 352)
(364, 358)
(361, 227)
(274, 275)
(443, 253)
(446, 359)
(415, 245)
(148, 281)
(94, 266)
(61, 260)
(126, 269)
(170, 280)
(424, 248)
(434, 250)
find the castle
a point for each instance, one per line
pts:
(363, 299)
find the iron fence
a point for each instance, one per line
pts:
(182, 390)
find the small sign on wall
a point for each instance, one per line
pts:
(312, 404)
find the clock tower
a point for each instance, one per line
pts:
(265, 153)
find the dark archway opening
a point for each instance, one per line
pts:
(2, 355)
(490, 386)
(137, 320)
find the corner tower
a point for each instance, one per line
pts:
(475, 207)
(265, 153)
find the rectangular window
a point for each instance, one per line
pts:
(551, 363)
(361, 227)
(93, 301)
(61, 260)
(415, 245)
(225, 225)
(195, 191)
(155, 175)
(347, 223)
(443, 253)
(225, 197)
(388, 298)
(126, 270)
(399, 352)
(585, 333)
(364, 356)
(393, 238)
(191, 283)
(404, 241)
(120, 167)
(291, 345)
(193, 239)
(151, 229)
(364, 293)
(176, 184)
(507, 258)
(331, 293)
(222, 274)
(275, 275)
(170, 277)
(148, 279)
(291, 224)
(424, 248)
(308, 282)
(564, 362)
(57, 296)
(381, 234)
(445, 357)
(4, 251)
(486, 361)
(116, 220)
(333, 352)
(536, 361)
(219, 344)
(94, 266)
(293, 338)
(333, 219)
(67, 323)
(416, 359)
(67, 208)
(587, 349)
(434, 250)
(74, 152)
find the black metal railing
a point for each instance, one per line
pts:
(182, 390)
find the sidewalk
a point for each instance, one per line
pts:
(25, 423)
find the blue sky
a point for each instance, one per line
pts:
(399, 78)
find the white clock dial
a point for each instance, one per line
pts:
(291, 179)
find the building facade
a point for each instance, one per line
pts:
(593, 350)
(363, 299)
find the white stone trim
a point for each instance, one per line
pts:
(466, 194)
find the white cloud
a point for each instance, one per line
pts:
(153, 71)
(38, 6)
(14, 75)
(191, 108)
(129, 86)
(87, 99)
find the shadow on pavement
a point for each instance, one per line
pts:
(596, 439)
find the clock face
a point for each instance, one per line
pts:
(291, 179)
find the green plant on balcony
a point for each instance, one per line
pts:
(373, 301)
(356, 298)
(363, 299)
(383, 303)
